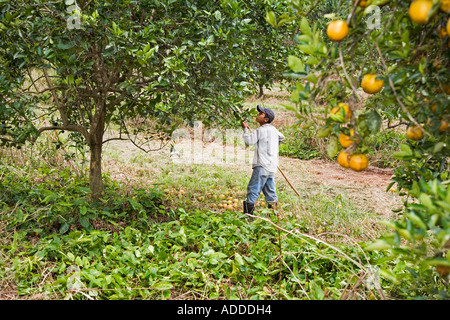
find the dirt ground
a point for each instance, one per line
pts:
(366, 189)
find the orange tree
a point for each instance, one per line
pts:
(86, 66)
(386, 62)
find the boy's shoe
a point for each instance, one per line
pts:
(273, 205)
(248, 209)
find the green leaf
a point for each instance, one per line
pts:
(282, 22)
(415, 189)
(378, 245)
(373, 121)
(324, 131)
(163, 285)
(70, 256)
(83, 210)
(84, 221)
(271, 18)
(64, 227)
(337, 117)
(438, 147)
(136, 205)
(425, 199)
(312, 61)
(404, 233)
(389, 275)
(295, 96)
(438, 262)
(311, 77)
(304, 38)
(289, 107)
(405, 152)
(416, 219)
(238, 259)
(304, 26)
(333, 147)
(295, 64)
(306, 48)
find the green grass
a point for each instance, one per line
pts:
(383, 145)
(143, 241)
(301, 144)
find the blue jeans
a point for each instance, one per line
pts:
(261, 180)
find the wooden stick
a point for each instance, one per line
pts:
(289, 182)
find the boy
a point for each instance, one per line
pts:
(265, 161)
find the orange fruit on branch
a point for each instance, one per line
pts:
(445, 5)
(347, 111)
(419, 9)
(346, 140)
(359, 162)
(361, 3)
(414, 133)
(337, 30)
(344, 159)
(370, 84)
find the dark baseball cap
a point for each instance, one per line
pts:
(268, 112)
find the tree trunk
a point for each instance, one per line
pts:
(96, 146)
(95, 177)
(261, 90)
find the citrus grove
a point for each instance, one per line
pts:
(384, 65)
(133, 71)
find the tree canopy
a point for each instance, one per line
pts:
(86, 66)
(384, 64)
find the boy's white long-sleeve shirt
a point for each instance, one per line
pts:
(266, 140)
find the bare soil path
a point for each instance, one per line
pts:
(366, 189)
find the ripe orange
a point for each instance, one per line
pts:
(344, 159)
(414, 133)
(433, 107)
(418, 11)
(445, 5)
(359, 162)
(370, 84)
(337, 30)
(337, 110)
(346, 140)
(361, 3)
(448, 26)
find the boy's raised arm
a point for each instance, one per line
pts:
(249, 138)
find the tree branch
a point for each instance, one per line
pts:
(44, 90)
(391, 83)
(341, 58)
(55, 97)
(73, 128)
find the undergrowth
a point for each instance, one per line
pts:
(56, 244)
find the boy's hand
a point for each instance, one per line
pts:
(244, 124)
